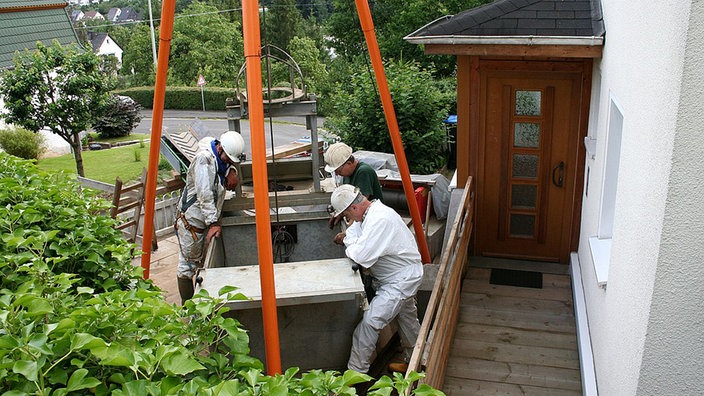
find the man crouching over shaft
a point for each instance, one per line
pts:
(380, 241)
(211, 172)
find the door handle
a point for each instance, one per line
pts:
(558, 174)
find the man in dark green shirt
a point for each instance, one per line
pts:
(340, 161)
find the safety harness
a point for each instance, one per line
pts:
(186, 203)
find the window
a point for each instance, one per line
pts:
(600, 245)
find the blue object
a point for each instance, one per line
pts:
(451, 119)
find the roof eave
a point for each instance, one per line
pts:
(507, 40)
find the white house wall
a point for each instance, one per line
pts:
(110, 47)
(646, 322)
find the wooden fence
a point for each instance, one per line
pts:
(127, 205)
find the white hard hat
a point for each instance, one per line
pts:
(233, 144)
(342, 197)
(336, 155)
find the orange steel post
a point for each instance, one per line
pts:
(165, 32)
(365, 19)
(252, 53)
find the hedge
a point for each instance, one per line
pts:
(182, 98)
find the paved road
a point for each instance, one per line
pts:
(286, 129)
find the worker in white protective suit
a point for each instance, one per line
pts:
(210, 173)
(380, 241)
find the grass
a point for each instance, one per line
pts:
(104, 165)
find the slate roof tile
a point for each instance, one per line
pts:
(569, 18)
(24, 22)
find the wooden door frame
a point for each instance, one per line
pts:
(469, 155)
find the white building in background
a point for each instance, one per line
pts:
(104, 45)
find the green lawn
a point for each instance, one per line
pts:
(126, 162)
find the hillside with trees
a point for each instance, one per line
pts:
(323, 36)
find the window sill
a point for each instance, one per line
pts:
(601, 257)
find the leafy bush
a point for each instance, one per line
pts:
(77, 318)
(22, 143)
(45, 219)
(420, 106)
(118, 117)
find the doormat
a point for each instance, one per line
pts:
(516, 278)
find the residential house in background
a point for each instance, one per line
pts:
(93, 16)
(77, 15)
(580, 123)
(104, 45)
(127, 15)
(114, 14)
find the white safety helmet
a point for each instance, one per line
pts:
(342, 197)
(233, 145)
(336, 155)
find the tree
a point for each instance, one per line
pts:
(393, 20)
(57, 88)
(283, 23)
(307, 56)
(420, 107)
(205, 43)
(137, 61)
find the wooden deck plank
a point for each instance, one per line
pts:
(508, 335)
(462, 387)
(549, 280)
(515, 373)
(552, 357)
(514, 340)
(513, 304)
(518, 320)
(476, 286)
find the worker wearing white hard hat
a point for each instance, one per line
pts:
(210, 173)
(340, 161)
(380, 241)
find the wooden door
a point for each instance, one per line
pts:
(528, 134)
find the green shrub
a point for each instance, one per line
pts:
(44, 218)
(118, 117)
(22, 143)
(182, 98)
(420, 107)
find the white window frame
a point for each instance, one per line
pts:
(600, 245)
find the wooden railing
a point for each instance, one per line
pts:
(127, 205)
(434, 340)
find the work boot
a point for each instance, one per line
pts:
(185, 289)
(398, 367)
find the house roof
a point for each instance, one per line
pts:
(93, 15)
(24, 22)
(113, 14)
(97, 39)
(519, 22)
(128, 14)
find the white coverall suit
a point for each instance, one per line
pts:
(203, 183)
(383, 243)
